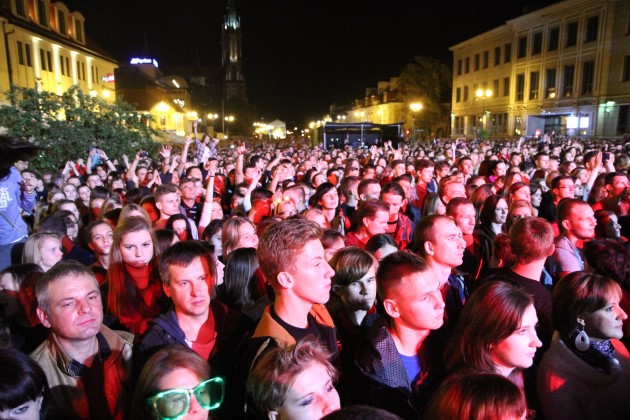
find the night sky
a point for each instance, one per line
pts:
(299, 56)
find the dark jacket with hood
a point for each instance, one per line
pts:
(231, 328)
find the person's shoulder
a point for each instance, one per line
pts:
(41, 351)
(321, 315)
(125, 337)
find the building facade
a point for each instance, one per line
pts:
(45, 47)
(563, 69)
(165, 97)
(381, 105)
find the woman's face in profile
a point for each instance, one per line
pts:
(606, 322)
(518, 349)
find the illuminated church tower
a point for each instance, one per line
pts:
(232, 61)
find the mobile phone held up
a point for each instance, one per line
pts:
(96, 157)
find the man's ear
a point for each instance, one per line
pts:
(391, 307)
(429, 249)
(158, 205)
(166, 289)
(272, 415)
(43, 317)
(565, 224)
(552, 249)
(285, 280)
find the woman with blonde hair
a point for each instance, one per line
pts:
(134, 210)
(293, 384)
(43, 249)
(135, 294)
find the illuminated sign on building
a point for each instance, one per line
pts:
(109, 78)
(144, 61)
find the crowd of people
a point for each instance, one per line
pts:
(451, 279)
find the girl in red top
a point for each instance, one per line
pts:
(135, 293)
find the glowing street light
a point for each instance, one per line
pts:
(228, 119)
(414, 107)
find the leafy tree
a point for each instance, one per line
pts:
(68, 125)
(428, 81)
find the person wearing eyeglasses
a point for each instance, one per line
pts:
(562, 186)
(176, 384)
(206, 326)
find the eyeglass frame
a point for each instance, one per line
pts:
(153, 400)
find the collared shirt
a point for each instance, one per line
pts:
(93, 378)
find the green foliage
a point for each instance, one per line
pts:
(68, 125)
(428, 81)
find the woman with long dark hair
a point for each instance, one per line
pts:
(496, 333)
(135, 293)
(326, 198)
(492, 217)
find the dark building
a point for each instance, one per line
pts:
(232, 59)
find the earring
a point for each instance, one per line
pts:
(582, 342)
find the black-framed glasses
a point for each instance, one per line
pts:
(173, 404)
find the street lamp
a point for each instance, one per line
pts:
(360, 115)
(228, 119)
(414, 107)
(482, 95)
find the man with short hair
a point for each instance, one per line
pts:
(466, 167)
(515, 159)
(616, 200)
(297, 194)
(542, 161)
(349, 189)
(426, 183)
(189, 205)
(463, 212)
(206, 326)
(292, 258)
(167, 200)
(369, 189)
(442, 170)
(577, 223)
(94, 180)
(450, 188)
(439, 240)
(399, 226)
(368, 171)
(408, 209)
(399, 364)
(562, 186)
(86, 364)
